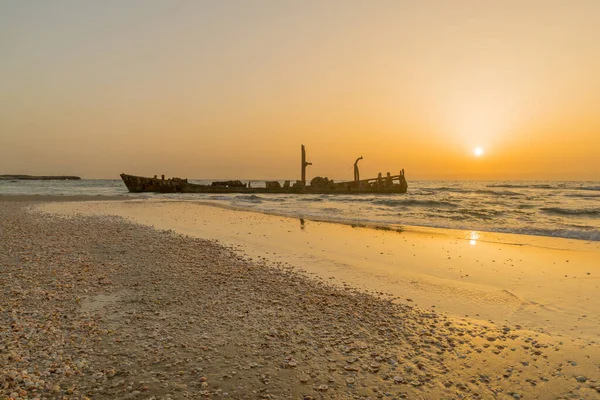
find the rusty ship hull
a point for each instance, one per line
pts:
(318, 185)
(387, 184)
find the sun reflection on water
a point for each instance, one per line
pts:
(473, 237)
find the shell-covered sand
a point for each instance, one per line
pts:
(97, 307)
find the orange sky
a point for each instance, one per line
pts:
(205, 89)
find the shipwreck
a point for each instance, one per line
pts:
(318, 185)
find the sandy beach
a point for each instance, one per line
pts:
(538, 282)
(154, 299)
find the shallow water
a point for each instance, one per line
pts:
(559, 209)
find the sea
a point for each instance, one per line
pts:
(556, 209)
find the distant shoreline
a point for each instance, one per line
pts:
(39, 178)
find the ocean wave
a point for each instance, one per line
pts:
(577, 226)
(567, 211)
(357, 199)
(477, 191)
(526, 206)
(422, 192)
(480, 213)
(583, 195)
(274, 199)
(465, 215)
(436, 217)
(252, 198)
(446, 189)
(414, 203)
(558, 186)
(526, 186)
(216, 197)
(498, 193)
(495, 202)
(310, 199)
(581, 234)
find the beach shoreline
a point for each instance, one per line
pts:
(102, 307)
(541, 283)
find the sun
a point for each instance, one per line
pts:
(478, 151)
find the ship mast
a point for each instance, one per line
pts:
(304, 165)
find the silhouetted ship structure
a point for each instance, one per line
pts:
(318, 185)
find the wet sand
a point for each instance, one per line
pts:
(102, 307)
(541, 283)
